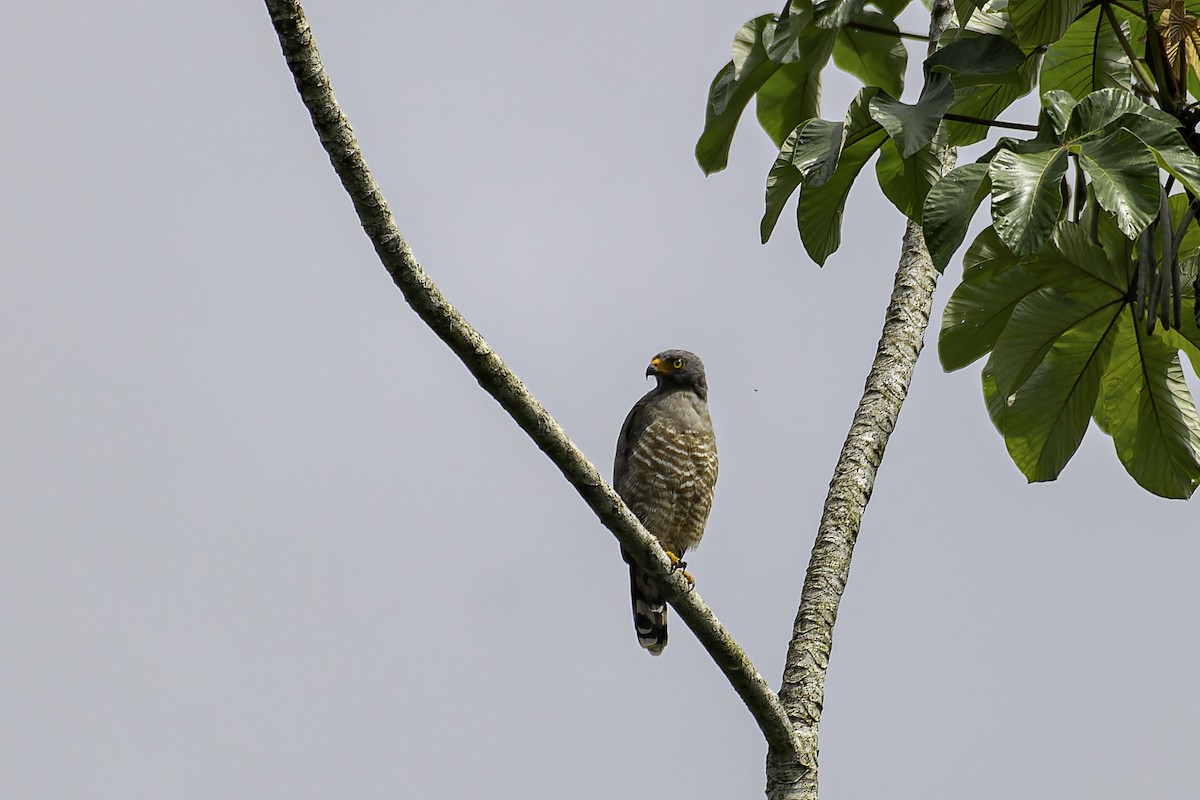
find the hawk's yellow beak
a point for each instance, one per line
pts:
(657, 367)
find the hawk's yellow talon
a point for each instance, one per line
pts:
(679, 564)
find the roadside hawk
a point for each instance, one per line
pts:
(665, 471)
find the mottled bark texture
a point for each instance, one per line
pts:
(903, 336)
(494, 376)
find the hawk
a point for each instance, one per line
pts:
(665, 471)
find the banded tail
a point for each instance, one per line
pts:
(649, 611)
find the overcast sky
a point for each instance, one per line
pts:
(264, 537)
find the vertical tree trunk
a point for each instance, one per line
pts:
(903, 336)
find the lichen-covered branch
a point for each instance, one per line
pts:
(803, 689)
(336, 135)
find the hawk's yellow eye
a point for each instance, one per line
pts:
(677, 363)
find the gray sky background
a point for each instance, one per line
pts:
(263, 536)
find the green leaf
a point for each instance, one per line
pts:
(796, 37)
(819, 212)
(891, 8)
(949, 207)
(1187, 339)
(1150, 413)
(1039, 22)
(1038, 321)
(990, 16)
(1076, 263)
(1099, 109)
(986, 59)
(782, 181)
(1048, 414)
(994, 282)
(788, 98)
(1026, 196)
(906, 181)
(1124, 175)
(913, 126)
(875, 59)
(731, 90)
(986, 102)
(1169, 149)
(1088, 57)
(836, 13)
(997, 408)
(1076, 279)
(963, 10)
(1058, 105)
(810, 153)
(818, 144)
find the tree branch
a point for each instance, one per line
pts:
(336, 135)
(900, 343)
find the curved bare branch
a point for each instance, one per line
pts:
(299, 49)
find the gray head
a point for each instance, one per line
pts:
(679, 369)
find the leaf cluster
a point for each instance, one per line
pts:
(1082, 290)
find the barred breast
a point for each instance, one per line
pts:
(670, 476)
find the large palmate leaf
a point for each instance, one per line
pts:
(1065, 347)
(1047, 362)
(1121, 143)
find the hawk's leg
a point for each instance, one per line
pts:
(678, 563)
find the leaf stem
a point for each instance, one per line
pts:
(991, 123)
(1145, 272)
(866, 27)
(1134, 61)
(1080, 187)
(1154, 46)
(1167, 235)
